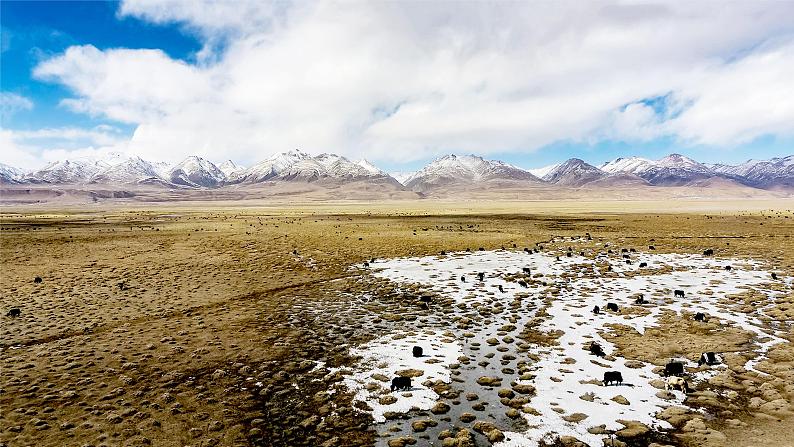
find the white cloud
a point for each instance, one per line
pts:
(404, 81)
(11, 103)
(31, 149)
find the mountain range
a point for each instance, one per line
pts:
(448, 171)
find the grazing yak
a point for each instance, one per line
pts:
(14, 312)
(366, 264)
(628, 261)
(774, 275)
(443, 253)
(596, 310)
(678, 293)
(417, 351)
(526, 270)
(728, 268)
(37, 280)
(677, 383)
(401, 383)
(651, 247)
(640, 300)
(643, 264)
(626, 257)
(700, 316)
(708, 358)
(612, 306)
(612, 377)
(481, 275)
(526, 250)
(673, 369)
(501, 289)
(596, 350)
(523, 283)
(709, 252)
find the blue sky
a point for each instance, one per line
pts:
(243, 80)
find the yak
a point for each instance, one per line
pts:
(640, 300)
(708, 358)
(678, 292)
(680, 383)
(612, 306)
(700, 316)
(417, 351)
(643, 264)
(14, 312)
(673, 369)
(37, 280)
(612, 377)
(596, 310)
(401, 383)
(708, 252)
(481, 275)
(596, 350)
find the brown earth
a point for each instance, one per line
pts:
(227, 319)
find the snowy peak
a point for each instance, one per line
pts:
(672, 170)
(196, 171)
(10, 174)
(132, 170)
(630, 165)
(573, 172)
(68, 171)
(298, 165)
(229, 168)
(773, 173)
(452, 169)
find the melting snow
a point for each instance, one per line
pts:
(559, 381)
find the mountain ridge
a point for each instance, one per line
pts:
(447, 171)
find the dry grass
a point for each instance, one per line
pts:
(215, 301)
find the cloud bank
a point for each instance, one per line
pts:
(396, 81)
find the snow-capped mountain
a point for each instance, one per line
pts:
(573, 172)
(131, 170)
(196, 171)
(464, 169)
(542, 172)
(632, 165)
(298, 165)
(78, 170)
(776, 172)
(10, 174)
(229, 168)
(402, 176)
(672, 170)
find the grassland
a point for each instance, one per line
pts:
(185, 325)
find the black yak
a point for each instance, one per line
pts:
(673, 369)
(596, 310)
(14, 312)
(37, 280)
(612, 377)
(700, 316)
(417, 351)
(401, 383)
(612, 306)
(596, 349)
(677, 293)
(708, 252)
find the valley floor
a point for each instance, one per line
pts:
(222, 325)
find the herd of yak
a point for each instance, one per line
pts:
(674, 370)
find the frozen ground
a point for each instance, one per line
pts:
(569, 397)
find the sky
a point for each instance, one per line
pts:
(398, 83)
